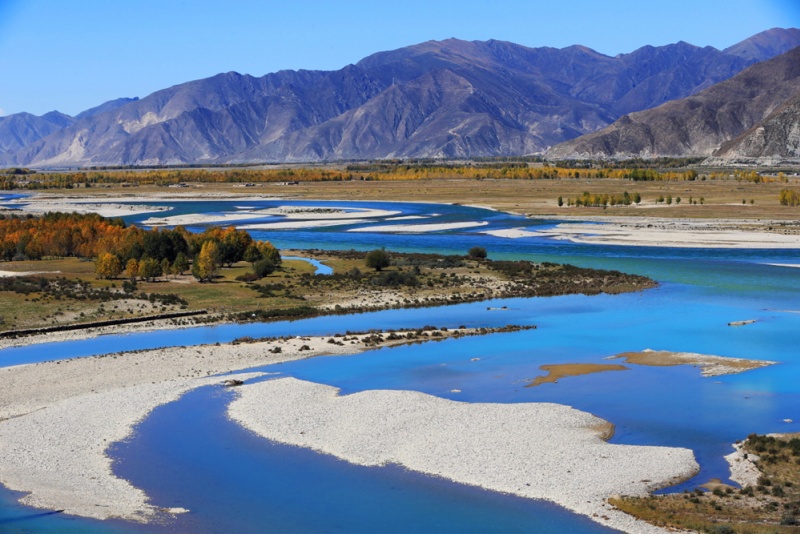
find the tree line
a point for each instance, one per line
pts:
(140, 253)
(368, 172)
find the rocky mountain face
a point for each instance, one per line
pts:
(773, 141)
(700, 124)
(437, 99)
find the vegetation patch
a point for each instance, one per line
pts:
(770, 506)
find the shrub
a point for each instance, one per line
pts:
(477, 253)
(264, 267)
(377, 259)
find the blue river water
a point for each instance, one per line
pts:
(188, 454)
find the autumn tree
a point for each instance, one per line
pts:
(107, 265)
(269, 252)
(132, 269)
(206, 263)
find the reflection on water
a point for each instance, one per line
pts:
(188, 455)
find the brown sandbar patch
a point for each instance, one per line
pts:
(555, 372)
(710, 365)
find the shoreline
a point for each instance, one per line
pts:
(557, 454)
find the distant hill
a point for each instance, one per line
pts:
(700, 124)
(440, 99)
(22, 129)
(766, 45)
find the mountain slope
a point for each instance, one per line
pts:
(699, 124)
(447, 98)
(774, 140)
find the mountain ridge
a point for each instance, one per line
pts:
(450, 98)
(697, 125)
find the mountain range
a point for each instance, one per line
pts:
(440, 99)
(709, 122)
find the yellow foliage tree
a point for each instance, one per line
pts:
(206, 263)
(107, 265)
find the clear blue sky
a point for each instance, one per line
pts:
(71, 55)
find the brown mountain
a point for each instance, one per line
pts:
(699, 124)
(774, 140)
(447, 98)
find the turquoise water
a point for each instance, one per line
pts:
(187, 454)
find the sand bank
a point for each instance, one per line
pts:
(38, 206)
(743, 467)
(709, 365)
(288, 225)
(321, 215)
(419, 228)
(683, 233)
(535, 450)
(556, 372)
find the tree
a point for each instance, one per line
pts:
(477, 253)
(181, 264)
(269, 252)
(637, 198)
(166, 268)
(252, 254)
(206, 263)
(132, 269)
(377, 259)
(107, 265)
(149, 268)
(560, 202)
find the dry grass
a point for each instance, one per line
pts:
(773, 506)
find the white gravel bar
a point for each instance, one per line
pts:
(58, 453)
(419, 228)
(535, 450)
(658, 233)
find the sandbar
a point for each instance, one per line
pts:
(709, 365)
(419, 228)
(291, 213)
(652, 232)
(106, 209)
(556, 372)
(534, 450)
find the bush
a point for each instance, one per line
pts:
(395, 279)
(477, 253)
(377, 259)
(263, 268)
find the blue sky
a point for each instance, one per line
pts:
(71, 55)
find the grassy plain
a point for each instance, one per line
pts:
(66, 291)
